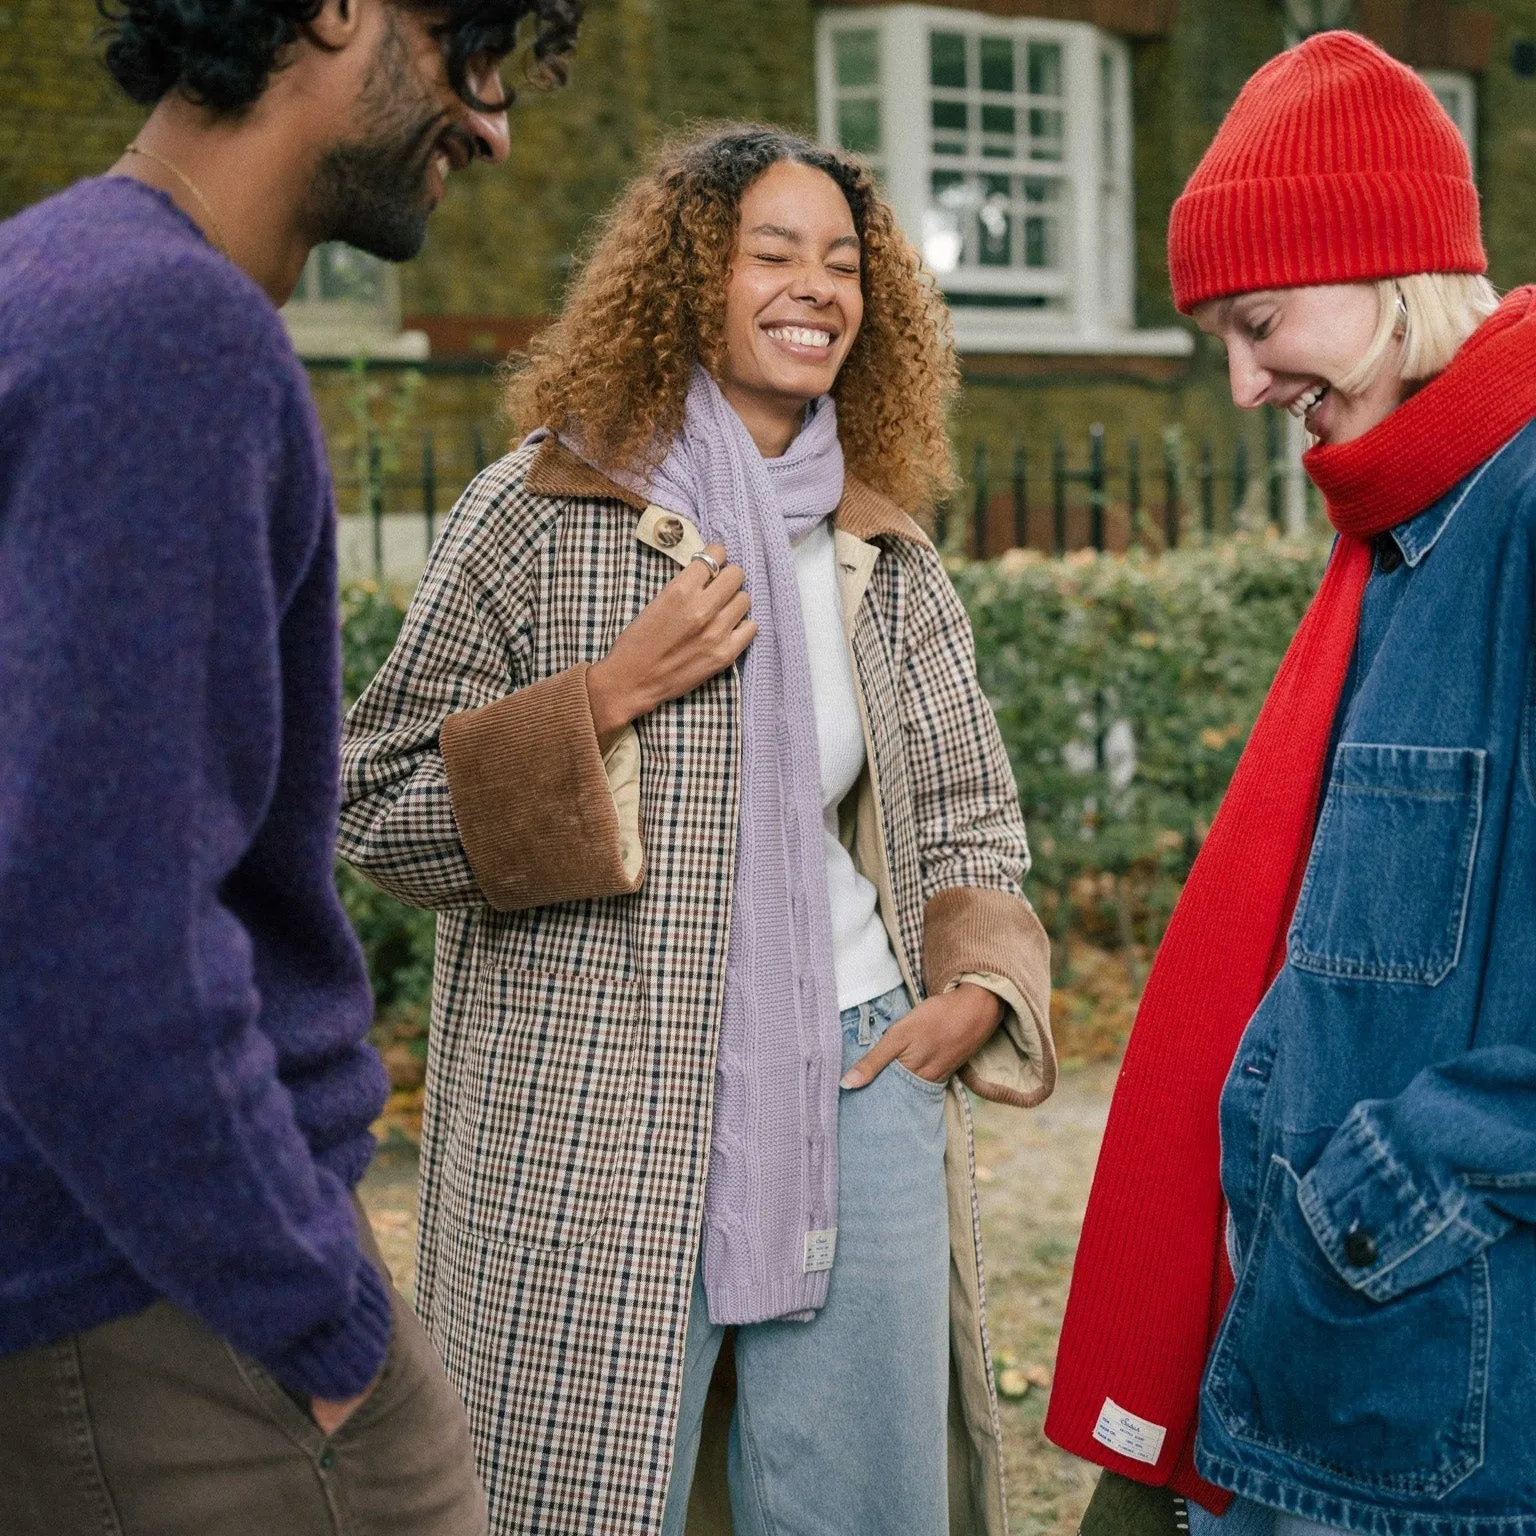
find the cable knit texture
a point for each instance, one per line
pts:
(1151, 1280)
(773, 1152)
(185, 1080)
(1336, 164)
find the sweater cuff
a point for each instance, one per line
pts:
(341, 1359)
(994, 939)
(543, 814)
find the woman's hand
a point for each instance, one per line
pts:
(693, 629)
(937, 1038)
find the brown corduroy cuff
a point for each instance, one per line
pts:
(534, 805)
(974, 933)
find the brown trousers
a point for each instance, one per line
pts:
(151, 1425)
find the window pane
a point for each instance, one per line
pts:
(1040, 243)
(1042, 225)
(944, 221)
(998, 133)
(1045, 137)
(995, 248)
(857, 57)
(996, 64)
(858, 125)
(1045, 69)
(949, 123)
(946, 59)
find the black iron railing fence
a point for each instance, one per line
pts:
(1063, 496)
(1055, 497)
(426, 488)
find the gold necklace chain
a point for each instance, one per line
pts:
(216, 229)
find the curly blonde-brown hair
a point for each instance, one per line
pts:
(650, 303)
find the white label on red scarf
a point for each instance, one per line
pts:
(819, 1248)
(1122, 1431)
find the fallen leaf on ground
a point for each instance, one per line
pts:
(1012, 1384)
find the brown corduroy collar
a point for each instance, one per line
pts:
(863, 511)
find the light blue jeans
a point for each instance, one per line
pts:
(1245, 1518)
(840, 1423)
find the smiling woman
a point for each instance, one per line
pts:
(662, 265)
(730, 856)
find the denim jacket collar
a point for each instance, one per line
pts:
(1419, 534)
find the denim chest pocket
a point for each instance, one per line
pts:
(1385, 895)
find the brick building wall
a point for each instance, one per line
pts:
(501, 246)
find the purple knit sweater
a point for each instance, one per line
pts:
(185, 1084)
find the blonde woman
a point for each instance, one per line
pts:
(1307, 1269)
(683, 737)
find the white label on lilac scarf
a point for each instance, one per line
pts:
(1122, 1431)
(819, 1248)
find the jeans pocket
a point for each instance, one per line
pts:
(1385, 894)
(1381, 1397)
(924, 1085)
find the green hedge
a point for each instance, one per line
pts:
(1081, 658)
(1084, 656)
(396, 939)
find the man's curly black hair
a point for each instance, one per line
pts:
(221, 53)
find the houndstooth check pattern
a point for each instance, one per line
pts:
(571, 1067)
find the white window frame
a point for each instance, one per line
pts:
(348, 328)
(1091, 293)
(1456, 91)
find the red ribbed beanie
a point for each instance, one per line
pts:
(1336, 164)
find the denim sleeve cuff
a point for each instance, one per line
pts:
(341, 1359)
(1384, 1230)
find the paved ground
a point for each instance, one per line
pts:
(1034, 1170)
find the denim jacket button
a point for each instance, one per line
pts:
(1359, 1249)
(1388, 555)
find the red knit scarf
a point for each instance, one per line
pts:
(1151, 1280)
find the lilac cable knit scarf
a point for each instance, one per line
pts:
(771, 1204)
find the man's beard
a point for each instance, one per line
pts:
(371, 193)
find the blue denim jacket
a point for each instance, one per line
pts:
(1376, 1368)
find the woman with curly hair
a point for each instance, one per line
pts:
(728, 902)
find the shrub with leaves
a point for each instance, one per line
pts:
(1124, 687)
(397, 940)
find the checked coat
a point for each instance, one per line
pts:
(584, 905)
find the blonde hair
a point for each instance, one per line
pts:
(1429, 314)
(650, 303)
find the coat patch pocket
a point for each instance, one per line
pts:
(1309, 1368)
(1385, 895)
(540, 1106)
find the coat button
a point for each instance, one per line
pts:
(1359, 1249)
(669, 532)
(1388, 555)
(327, 1459)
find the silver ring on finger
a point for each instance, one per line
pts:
(709, 560)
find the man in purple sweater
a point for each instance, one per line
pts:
(195, 1335)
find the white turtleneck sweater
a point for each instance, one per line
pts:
(865, 963)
